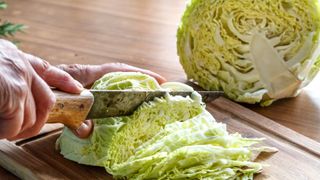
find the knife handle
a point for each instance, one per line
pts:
(71, 109)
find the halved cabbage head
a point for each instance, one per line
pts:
(255, 51)
(172, 137)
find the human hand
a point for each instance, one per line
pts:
(88, 74)
(25, 95)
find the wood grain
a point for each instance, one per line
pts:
(94, 36)
(301, 114)
(24, 165)
(137, 32)
(262, 123)
(298, 156)
(7, 175)
(52, 157)
(71, 109)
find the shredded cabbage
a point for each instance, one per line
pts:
(172, 137)
(255, 51)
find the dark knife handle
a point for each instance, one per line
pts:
(71, 109)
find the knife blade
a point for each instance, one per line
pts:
(109, 103)
(73, 109)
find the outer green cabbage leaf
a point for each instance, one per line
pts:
(255, 51)
(172, 137)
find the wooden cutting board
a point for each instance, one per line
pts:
(298, 156)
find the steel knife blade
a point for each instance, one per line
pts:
(73, 109)
(109, 103)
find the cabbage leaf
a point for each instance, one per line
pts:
(172, 137)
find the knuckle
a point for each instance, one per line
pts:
(45, 64)
(44, 68)
(75, 66)
(77, 69)
(14, 95)
(65, 76)
(16, 65)
(40, 66)
(63, 67)
(84, 71)
(79, 72)
(20, 90)
(11, 101)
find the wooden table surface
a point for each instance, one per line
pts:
(136, 32)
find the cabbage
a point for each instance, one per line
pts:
(172, 137)
(255, 51)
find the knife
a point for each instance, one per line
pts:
(72, 109)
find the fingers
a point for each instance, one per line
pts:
(11, 124)
(85, 74)
(21, 115)
(54, 76)
(29, 112)
(44, 101)
(88, 74)
(62, 80)
(84, 130)
(25, 98)
(29, 119)
(13, 95)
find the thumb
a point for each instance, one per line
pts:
(53, 76)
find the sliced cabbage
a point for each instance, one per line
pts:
(255, 51)
(172, 137)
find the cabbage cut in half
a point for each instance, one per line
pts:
(256, 51)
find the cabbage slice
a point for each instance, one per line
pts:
(172, 137)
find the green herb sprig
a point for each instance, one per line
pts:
(8, 28)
